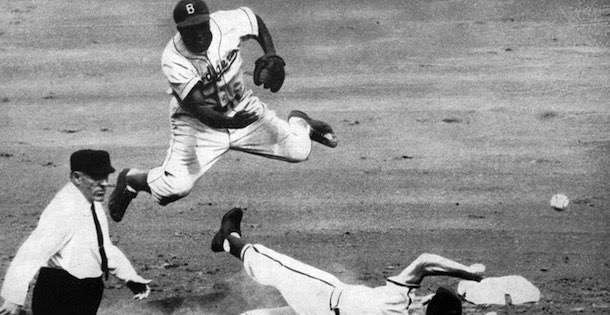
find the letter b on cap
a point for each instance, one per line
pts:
(190, 9)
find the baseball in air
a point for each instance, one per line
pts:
(559, 202)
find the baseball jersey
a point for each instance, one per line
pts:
(218, 68)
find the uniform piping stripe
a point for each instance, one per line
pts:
(407, 285)
(330, 302)
(169, 156)
(171, 146)
(175, 45)
(293, 270)
(185, 68)
(411, 287)
(248, 15)
(217, 27)
(220, 58)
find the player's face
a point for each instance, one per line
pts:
(197, 38)
(92, 187)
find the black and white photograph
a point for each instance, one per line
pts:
(241, 157)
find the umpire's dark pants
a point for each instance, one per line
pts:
(59, 293)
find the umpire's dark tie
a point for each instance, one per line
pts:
(100, 242)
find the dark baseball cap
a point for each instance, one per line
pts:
(92, 162)
(191, 12)
(444, 302)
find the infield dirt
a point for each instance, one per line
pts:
(457, 122)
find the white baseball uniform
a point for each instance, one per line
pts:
(194, 146)
(310, 291)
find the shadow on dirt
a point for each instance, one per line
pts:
(210, 303)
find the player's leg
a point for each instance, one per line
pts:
(276, 138)
(129, 183)
(193, 150)
(306, 289)
(228, 237)
(434, 265)
(319, 131)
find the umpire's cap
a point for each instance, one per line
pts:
(444, 302)
(92, 162)
(191, 12)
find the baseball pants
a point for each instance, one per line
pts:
(59, 293)
(195, 147)
(306, 289)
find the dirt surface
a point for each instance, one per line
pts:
(457, 120)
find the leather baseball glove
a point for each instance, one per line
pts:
(269, 71)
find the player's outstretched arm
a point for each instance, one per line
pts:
(264, 37)
(268, 69)
(434, 265)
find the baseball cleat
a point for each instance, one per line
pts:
(120, 197)
(320, 131)
(230, 223)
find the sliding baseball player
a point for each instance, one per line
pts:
(308, 290)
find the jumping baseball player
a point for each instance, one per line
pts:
(308, 290)
(211, 110)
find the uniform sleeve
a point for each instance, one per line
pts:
(248, 25)
(120, 266)
(51, 234)
(179, 71)
(236, 23)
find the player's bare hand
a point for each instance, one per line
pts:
(141, 289)
(9, 308)
(243, 119)
(477, 271)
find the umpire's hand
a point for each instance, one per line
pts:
(140, 290)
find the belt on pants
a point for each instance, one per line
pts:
(54, 273)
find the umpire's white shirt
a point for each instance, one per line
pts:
(65, 238)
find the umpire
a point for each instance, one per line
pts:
(70, 249)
